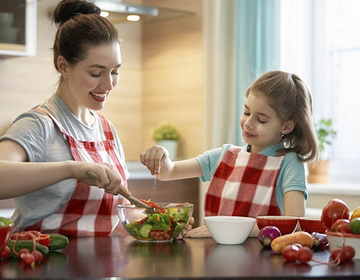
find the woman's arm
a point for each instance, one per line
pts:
(157, 160)
(19, 177)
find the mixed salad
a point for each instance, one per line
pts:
(4, 222)
(165, 224)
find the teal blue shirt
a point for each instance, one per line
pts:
(291, 176)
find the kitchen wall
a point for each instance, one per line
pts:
(173, 67)
(161, 78)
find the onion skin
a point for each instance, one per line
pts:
(267, 235)
(320, 241)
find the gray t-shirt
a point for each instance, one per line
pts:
(42, 140)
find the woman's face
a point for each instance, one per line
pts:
(260, 124)
(90, 81)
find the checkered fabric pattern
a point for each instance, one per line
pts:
(90, 211)
(244, 184)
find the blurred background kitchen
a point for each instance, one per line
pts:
(190, 65)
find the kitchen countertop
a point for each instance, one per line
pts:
(125, 258)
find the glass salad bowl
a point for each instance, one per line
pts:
(162, 223)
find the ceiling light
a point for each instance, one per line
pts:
(104, 14)
(133, 18)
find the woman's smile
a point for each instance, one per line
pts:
(99, 96)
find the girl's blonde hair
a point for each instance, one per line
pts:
(290, 98)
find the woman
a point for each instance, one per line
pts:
(46, 154)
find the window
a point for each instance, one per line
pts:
(321, 43)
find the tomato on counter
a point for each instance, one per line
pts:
(342, 225)
(334, 210)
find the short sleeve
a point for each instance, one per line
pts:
(292, 175)
(210, 160)
(31, 131)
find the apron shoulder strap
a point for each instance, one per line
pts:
(58, 124)
(106, 127)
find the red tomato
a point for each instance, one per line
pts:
(341, 225)
(160, 235)
(334, 210)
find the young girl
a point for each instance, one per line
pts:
(267, 175)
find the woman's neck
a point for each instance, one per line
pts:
(81, 112)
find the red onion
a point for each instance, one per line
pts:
(268, 234)
(320, 241)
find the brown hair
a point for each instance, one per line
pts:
(80, 27)
(290, 98)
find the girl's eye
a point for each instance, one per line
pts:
(115, 73)
(95, 75)
(261, 121)
(246, 113)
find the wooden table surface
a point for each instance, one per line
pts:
(124, 258)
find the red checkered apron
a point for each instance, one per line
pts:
(90, 211)
(244, 184)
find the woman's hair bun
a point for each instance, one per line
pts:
(66, 9)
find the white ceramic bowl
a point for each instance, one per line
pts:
(336, 240)
(229, 230)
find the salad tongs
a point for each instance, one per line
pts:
(133, 200)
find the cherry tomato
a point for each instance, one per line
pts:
(349, 252)
(334, 210)
(160, 235)
(342, 225)
(5, 253)
(304, 255)
(289, 252)
(338, 254)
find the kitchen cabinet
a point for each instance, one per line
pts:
(17, 28)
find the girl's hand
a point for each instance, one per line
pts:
(187, 229)
(109, 180)
(199, 232)
(154, 158)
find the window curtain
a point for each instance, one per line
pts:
(258, 47)
(242, 41)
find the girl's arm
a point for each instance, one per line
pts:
(19, 177)
(157, 160)
(294, 204)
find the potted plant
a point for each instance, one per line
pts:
(167, 136)
(319, 172)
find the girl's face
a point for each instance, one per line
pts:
(90, 81)
(260, 124)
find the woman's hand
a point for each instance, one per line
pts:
(154, 158)
(103, 177)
